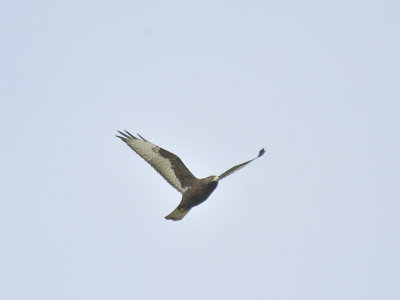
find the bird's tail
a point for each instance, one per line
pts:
(177, 214)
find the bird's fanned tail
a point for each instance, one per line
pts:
(177, 214)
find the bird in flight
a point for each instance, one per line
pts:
(194, 190)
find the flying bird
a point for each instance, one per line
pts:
(194, 190)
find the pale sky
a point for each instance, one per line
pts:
(317, 83)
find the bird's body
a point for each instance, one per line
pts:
(200, 191)
(194, 191)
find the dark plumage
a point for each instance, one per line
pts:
(194, 191)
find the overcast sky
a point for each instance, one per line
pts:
(317, 83)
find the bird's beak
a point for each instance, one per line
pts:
(216, 178)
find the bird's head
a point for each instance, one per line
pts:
(214, 178)
(212, 182)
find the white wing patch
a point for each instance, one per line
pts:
(162, 164)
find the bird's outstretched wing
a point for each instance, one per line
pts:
(167, 164)
(235, 168)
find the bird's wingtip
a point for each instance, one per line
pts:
(126, 135)
(142, 137)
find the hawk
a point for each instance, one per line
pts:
(194, 190)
